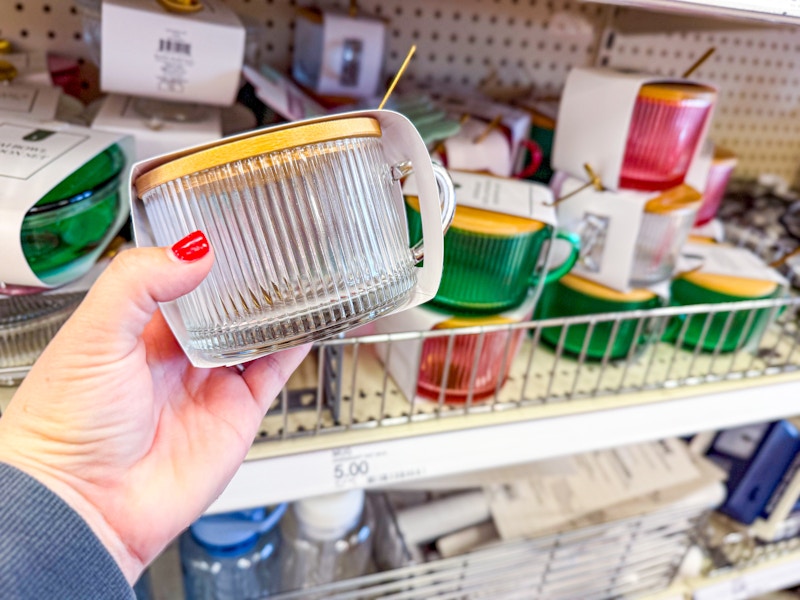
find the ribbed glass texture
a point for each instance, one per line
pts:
(559, 300)
(662, 139)
(475, 364)
(718, 177)
(484, 273)
(28, 323)
(308, 243)
(658, 245)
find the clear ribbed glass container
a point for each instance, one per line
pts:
(666, 223)
(28, 323)
(306, 231)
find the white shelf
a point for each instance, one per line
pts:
(772, 576)
(776, 11)
(380, 456)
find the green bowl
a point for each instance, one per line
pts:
(574, 296)
(701, 288)
(490, 259)
(75, 218)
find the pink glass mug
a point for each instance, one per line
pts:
(666, 126)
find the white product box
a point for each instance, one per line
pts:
(156, 137)
(593, 122)
(29, 102)
(336, 54)
(194, 57)
(516, 121)
(33, 155)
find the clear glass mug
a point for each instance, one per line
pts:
(307, 227)
(666, 223)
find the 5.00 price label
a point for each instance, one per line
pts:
(350, 469)
(354, 467)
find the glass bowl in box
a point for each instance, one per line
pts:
(711, 333)
(62, 230)
(722, 166)
(471, 365)
(664, 229)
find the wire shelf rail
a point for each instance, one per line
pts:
(356, 383)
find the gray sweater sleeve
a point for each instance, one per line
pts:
(47, 550)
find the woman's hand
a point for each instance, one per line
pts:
(114, 418)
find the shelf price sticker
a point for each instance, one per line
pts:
(735, 589)
(355, 467)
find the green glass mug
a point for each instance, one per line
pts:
(574, 296)
(491, 259)
(706, 288)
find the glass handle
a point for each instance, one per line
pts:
(447, 199)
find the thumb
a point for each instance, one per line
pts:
(123, 299)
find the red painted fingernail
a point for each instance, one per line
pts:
(191, 248)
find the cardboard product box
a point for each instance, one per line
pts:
(156, 136)
(338, 54)
(183, 57)
(52, 235)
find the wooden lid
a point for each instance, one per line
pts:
(740, 287)
(477, 220)
(677, 92)
(595, 290)
(280, 138)
(681, 197)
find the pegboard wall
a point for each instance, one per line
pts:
(519, 43)
(757, 73)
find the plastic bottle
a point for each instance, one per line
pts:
(326, 539)
(233, 556)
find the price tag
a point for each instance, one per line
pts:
(739, 588)
(355, 467)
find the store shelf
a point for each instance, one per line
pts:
(373, 436)
(778, 11)
(383, 456)
(776, 574)
(344, 421)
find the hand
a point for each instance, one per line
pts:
(114, 418)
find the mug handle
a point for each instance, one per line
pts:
(537, 156)
(447, 199)
(574, 242)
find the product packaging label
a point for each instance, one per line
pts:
(594, 120)
(29, 102)
(195, 57)
(34, 157)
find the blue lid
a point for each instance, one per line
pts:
(235, 530)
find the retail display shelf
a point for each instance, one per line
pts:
(779, 11)
(383, 456)
(772, 575)
(346, 421)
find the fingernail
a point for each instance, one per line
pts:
(191, 248)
